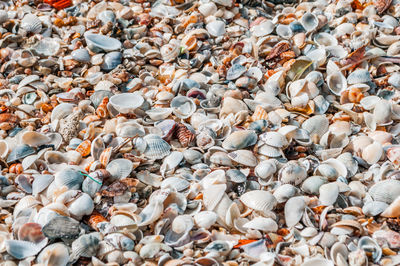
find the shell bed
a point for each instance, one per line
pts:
(200, 132)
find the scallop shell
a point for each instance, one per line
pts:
(318, 125)
(386, 191)
(85, 246)
(120, 168)
(157, 148)
(259, 200)
(31, 23)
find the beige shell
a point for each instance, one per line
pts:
(263, 224)
(294, 209)
(244, 157)
(393, 210)
(259, 200)
(34, 139)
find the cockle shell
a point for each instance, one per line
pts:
(120, 168)
(259, 200)
(263, 224)
(294, 209)
(31, 23)
(157, 148)
(239, 140)
(292, 173)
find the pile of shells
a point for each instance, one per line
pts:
(204, 132)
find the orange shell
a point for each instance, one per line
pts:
(84, 148)
(59, 4)
(259, 113)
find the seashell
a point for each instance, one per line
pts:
(394, 80)
(328, 194)
(339, 253)
(192, 156)
(382, 112)
(265, 169)
(40, 183)
(129, 129)
(34, 139)
(157, 114)
(219, 247)
(81, 55)
(236, 176)
(31, 232)
(369, 102)
(85, 246)
(368, 244)
(374, 208)
(292, 173)
(372, 153)
(388, 237)
(111, 61)
(285, 192)
(318, 125)
(120, 168)
(239, 140)
(176, 183)
(55, 157)
(208, 9)
(106, 16)
(263, 224)
(124, 220)
(212, 195)
(156, 148)
(216, 28)
(359, 76)
(263, 29)
(259, 200)
(393, 210)
(235, 71)
(325, 39)
(171, 162)
(4, 148)
(309, 21)
(274, 139)
(22, 249)
(178, 235)
(61, 111)
(337, 83)
(31, 23)
(205, 219)
(244, 157)
(386, 191)
(68, 177)
(126, 102)
(98, 43)
(3, 16)
(284, 31)
(183, 107)
(294, 209)
(56, 253)
(47, 47)
(61, 227)
(19, 152)
(170, 51)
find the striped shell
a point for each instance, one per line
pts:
(120, 168)
(157, 148)
(259, 200)
(31, 23)
(259, 113)
(386, 191)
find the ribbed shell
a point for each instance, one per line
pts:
(157, 148)
(259, 200)
(70, 178)
(318, 124)
(31, 23)
(120, 168)
(244, 157)
(386, 191)
(274, 139)
(175, 182)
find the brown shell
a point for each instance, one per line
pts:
(184, 135)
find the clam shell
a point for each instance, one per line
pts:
(176, 183)
(274, 139)
(263, 224)
(216, 28)
(183, 107)
(81, 55)
(68, 177)
(85, 246)
(239, 140)
(205, 219)
(386, 191)
(337, 83)
(328, 193)
(126, 102)
(61, 227)
(31, 23)
(244, 157)
(374, 208)
(156, 148)
(120, 168)
(19, 152)
(292, 173)
(285, 192)
(34, 139)
(265, 169)
(22, 249)
(56, 253)
(294, 209)
(98, 43)
(259, 200)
